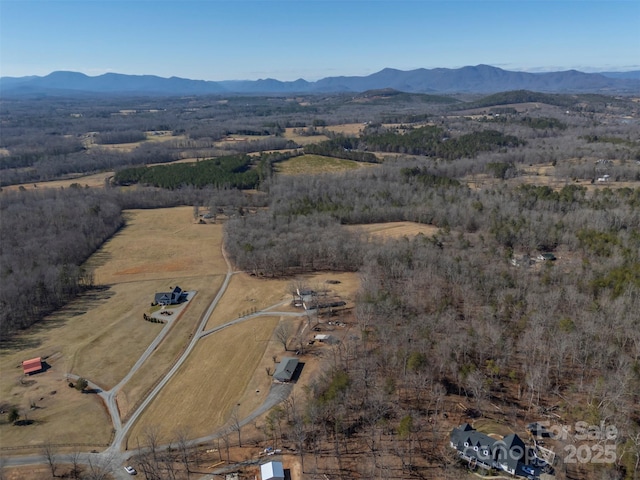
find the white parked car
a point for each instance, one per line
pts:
(130, 470)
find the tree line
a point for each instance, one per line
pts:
(46, 235)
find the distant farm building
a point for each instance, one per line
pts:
(173, 297)
(272, 471)
(285, 369)
(32, 366)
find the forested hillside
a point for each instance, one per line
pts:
(45, 237)
(450, 316)
(474, 321)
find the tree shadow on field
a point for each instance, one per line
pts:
(100, 257)
(27, 338)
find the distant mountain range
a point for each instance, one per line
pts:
(477, 79)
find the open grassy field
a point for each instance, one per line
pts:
(292, 134)
(246, 294)
(215, 376)
(102, 334)
(160, 243)
(315, 164)
(348, 129)
(172, 346)
(395, 229)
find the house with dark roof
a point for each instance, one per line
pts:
(173, 297)
(285, 369)
(508, 454)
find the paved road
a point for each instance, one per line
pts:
(113, 458)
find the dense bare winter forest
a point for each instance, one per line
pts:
(524, 305)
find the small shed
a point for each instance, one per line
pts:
(272, 471)
(33, 365)
(285, 369)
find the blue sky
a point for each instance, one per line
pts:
(312, 39)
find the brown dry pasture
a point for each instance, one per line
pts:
(247, 294)
(316, 164)
(102, 334)
(96, 180)
(395, 229)
(292, 134)
(157, 244)
(202, 395)
(58, 413)
(228, 367)
(349, 129)
(172, 346)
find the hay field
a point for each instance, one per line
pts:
(215, 376)
(156, 244)
(545, 175)
(64, 417)
(102, 334)
(316, 164)
(289, 134)
(96, 180)
(349, 129)
(395, 229)
(228, 367)
(246, 294)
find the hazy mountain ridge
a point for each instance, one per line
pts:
(470, 79)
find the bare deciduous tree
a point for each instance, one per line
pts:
(282, 333)
(48, 451)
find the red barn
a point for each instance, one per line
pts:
(32, 366)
